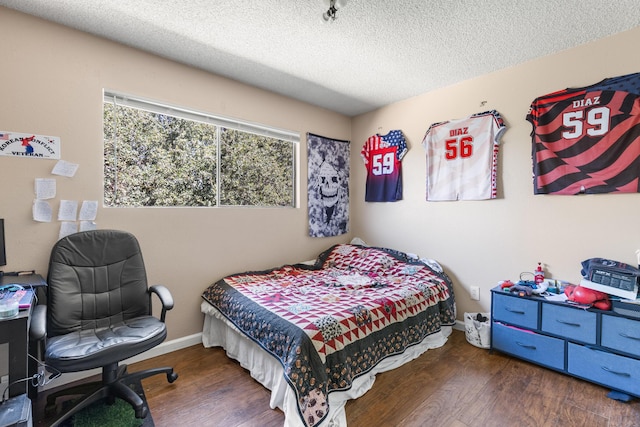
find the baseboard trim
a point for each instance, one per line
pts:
(459, 325)
(164, 348)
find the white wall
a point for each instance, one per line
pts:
(51, 82)
(482, 242)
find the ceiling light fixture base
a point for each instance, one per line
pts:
(334, 5)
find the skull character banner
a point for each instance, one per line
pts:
(328, 186)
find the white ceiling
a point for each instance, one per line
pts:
(376, 52)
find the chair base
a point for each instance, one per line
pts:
(114, 384)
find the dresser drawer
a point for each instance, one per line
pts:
(612, 370)
(515, 310)
(541, 349)
(569, 322)
(621, 334)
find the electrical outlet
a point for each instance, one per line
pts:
(474, 292)
(4, 379)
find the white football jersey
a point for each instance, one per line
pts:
(462, 157)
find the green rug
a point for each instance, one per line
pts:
(120, 414)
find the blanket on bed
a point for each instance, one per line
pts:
(331, 322)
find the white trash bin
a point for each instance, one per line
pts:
(477, 329)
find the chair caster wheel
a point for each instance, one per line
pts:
(172, 377)
(142, 412)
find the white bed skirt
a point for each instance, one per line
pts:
(267, 370)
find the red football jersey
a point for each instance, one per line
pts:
(587, 140)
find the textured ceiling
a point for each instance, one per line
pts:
(376, 52)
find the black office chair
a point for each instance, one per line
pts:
(98, 313)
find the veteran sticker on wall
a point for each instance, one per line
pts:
(16, 144)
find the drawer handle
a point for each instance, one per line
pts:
(623, 335)
(527, 346)
(568, 323)
(514, 311)
(622, 374)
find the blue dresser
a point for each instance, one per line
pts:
(598, 346)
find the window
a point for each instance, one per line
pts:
(158, 155)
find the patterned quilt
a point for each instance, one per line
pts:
(331, 322)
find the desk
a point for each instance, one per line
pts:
(15, 332)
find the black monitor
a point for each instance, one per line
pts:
(3, 254)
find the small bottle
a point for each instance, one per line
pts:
(538, 276)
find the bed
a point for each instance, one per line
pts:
(317, 334)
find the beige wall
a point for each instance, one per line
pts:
(483, 242)
(51, 81)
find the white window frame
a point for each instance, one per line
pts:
(119, 98)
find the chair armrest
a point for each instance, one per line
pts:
(165, 298)
(38, 325)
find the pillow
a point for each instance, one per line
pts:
(358, 241)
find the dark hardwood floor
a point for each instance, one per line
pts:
(457, 385)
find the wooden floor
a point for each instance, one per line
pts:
(457, 385)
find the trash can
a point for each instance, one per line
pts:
(477, 329)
